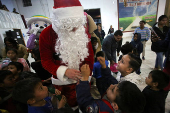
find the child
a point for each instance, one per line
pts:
(124, 97)
(4, 66)
(16, 68)
(97, 73)
(154, 94)
(32, 92)
(125, 49)
(126, 66)
(7, 83)
(95, 41)
(37, 66)
(137, 45)
(12, 55)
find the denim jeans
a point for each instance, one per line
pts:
(159, 60)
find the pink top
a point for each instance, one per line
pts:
(21, 60)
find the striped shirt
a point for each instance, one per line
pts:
(145, 33)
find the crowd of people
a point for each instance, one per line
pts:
(72, 51)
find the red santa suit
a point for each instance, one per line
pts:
(52, 62)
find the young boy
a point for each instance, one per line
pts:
(32, 92)
(7, 83)
(124, 97)
(16, 68)
(137, 44)
(154, 94)
(97, 73)
(125, 49)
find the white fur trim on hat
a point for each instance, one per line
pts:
(62, 13)
(60, 73)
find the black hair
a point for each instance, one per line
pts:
(11, 49)
(143, 21)
(18, 65)
(129, 99)
(4, 74)
(135, 61)
(25, 89)
(11, 40)
(160, 77)
(36, 52)
(28, 74)
(100, 54)
(135, 34)
(93, 39)
(126, 48)
(162, 17)
(118, 32)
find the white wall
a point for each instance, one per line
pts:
(39, 7)
(42, 7)
(10, 4)
(109, 12)
(161, 8)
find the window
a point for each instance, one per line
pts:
(27, 3)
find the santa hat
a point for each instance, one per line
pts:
(67, 9)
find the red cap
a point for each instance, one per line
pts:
(66, 3)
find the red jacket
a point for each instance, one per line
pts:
(47, 43)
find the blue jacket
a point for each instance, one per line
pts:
(86, 102)
(137, 44)
(97, 69)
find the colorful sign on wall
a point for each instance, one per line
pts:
(131, 12)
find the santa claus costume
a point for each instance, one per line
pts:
(61, 48)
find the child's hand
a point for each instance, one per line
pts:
(57, 92)
(102, 61)
(62, 102)
(85, 71)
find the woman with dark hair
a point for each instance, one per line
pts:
(111, 30)
(11, 43)
(99, 32)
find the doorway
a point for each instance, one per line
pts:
(95, 14)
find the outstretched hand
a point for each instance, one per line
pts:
(73, 74)
(102, 61)
(57, 92)
(85, 72)
(35, 30)
(62, 102)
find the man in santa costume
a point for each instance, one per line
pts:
(65, 46)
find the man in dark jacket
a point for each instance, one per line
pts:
(160, 30)
(112, 43)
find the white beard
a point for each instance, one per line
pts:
(72, 46)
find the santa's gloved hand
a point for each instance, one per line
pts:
(34, 30)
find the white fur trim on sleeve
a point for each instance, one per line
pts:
(60, 73)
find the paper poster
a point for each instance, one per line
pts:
(132, 12)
